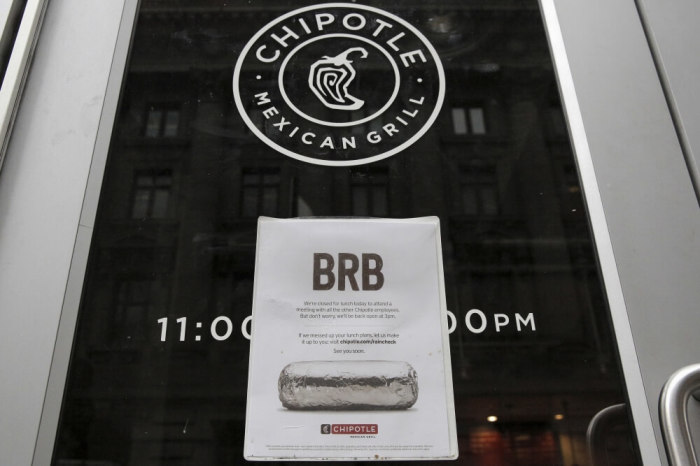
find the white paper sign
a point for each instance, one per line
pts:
(349, 354)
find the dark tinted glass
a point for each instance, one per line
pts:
(533, 352)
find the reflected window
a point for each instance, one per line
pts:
(132, 308)
(479, 189)
(468, 120)
(162, 121)
(260, 192)
(370, 192)
(151, 194)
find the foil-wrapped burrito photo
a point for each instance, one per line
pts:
(348, 385)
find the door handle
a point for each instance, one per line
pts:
(673, 411)
(599, 429)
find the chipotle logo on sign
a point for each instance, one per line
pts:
(350, 429)
(339, 84)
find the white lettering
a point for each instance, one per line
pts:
(281, 124)
(519, 320)
(245, 325)
(452, 322)
(373, 137)
(304, 25)
(382, 25)
(358, 26)
(270, 112)
(390, 129)
(500, 320)
(468, 317)
(323, 19)
(393, 40)
(283, 40)
(262, 98)
(305, 138)
(260, 57)
(349, 142)
(328, 142)
(411, 57)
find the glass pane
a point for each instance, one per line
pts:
(269, 201)
(488, 199)
(153, 123)
(476, 118)
(160, 203)
(459, 121)
(249, 204)
(144, 180)
(469, 202)
(142, 200)
(271, 179)
(137, 292)
(379, 201)
(251, 179)
(164, 180)
(172, 122)
(149, 385)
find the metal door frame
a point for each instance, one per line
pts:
(645, 187)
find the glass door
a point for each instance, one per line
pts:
(463, 120)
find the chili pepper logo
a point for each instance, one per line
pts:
(339, 84)
(330, 77)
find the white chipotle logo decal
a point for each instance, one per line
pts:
(339, 84)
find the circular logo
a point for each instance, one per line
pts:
(339, 84)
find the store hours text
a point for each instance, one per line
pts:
(220, 329)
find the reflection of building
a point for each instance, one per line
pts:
(175, 237)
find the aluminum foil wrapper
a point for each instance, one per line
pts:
(348, 385)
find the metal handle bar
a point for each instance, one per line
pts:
(673, 411)
(599, 428)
